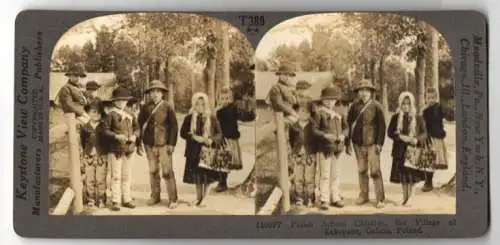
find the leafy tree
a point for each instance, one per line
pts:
(90, 57)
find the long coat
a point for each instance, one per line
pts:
(193, 150)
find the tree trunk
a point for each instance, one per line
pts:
(420, 81)
(383, 88)
(169, 82)
(435, 60)
(209, 70)
(225, 51)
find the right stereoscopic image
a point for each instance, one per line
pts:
(355, 115)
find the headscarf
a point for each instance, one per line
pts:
(206, 114)
(412, 113)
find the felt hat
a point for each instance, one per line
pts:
(302, 85)
(156, 84)
(365, 83)
(76, 70)
(331, 93)
(92, 85)
(121, 93)
(286, 69)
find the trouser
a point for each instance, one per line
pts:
(120, 178)
(428, 178)
(223, 179)
(95, 172)
(369, 162)
(108, 182)
(159, 158)
(329, 179)
(304, 177)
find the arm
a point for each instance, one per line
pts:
(247, 113)
(316, 126)
(381, 126)
(171, 126)
(186, 127)
(421, 132)
(141, 118)
(392, 129)
(278, 103)
(83, 136)
(216, 135)
(67, 101)
(107, 125)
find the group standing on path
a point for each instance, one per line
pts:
(112, 133)
(320, 131)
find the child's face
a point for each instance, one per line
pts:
(364, 94)
(431, 98)
(94, 115)
(200, 106)
(156, 95)
(406, 105)
(120, 103)
(329, 103)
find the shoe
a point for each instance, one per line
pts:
(115, 207)
(102, 204)
(128, 205)
(310, 203)
(153, 201)
(173, 205)
(338, 204)
(220, 188)
(362, 201)
(380, 205)
(427, 188)
(323, 206)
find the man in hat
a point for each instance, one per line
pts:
(367, 132)
(330, 129)
(121, 129)
(282, 96)
(71, 96)
(159, 128)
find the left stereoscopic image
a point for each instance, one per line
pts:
(152, 114)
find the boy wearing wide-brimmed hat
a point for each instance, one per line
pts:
(302, 156)
(95, 156)
(121, 129)
(71, 97)
(367, 132)
(330, 129)
(158, 124)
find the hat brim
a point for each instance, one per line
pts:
(160, 88)
(368, 87)
(69, 74)
(285, 73)
(330, 98)
(127, 98)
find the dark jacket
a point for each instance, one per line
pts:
(283, 98)
(229, 116)
(326, 123)
(433, 117)
(114, 124)
(72, 99)
(370, 127)
(193, 148)
(162, 127)
(93, 138)
(398, 146)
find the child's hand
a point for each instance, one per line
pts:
(331, 137)
(133, 138)
(122, 138)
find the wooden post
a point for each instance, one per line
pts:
(283, 161)
(271, 202)
(74, 160)
(64, 203)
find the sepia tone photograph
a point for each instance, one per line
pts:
(355, 115)
(152, 114)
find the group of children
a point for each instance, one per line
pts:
(317, 136)
(108, 142)
(108, 138)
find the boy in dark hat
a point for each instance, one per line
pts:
(71, 97)
(330, 129)
(367, 129)
(90, 88)
(158, 124)
(94, 155)
(121, 129)
(302, 157)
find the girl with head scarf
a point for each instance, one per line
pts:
(200, 128)
(406, 128)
